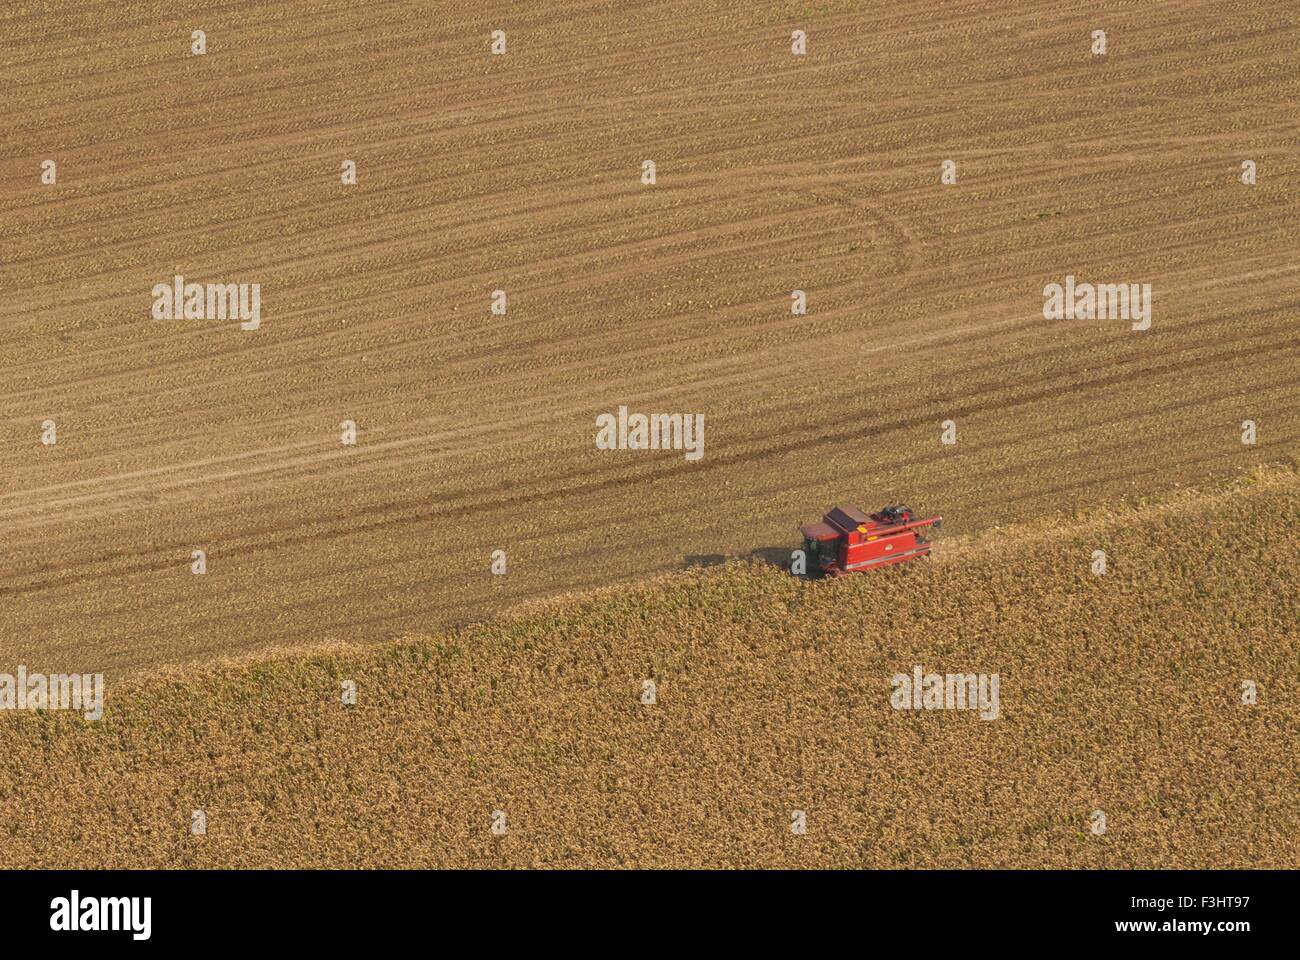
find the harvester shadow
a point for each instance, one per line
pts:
(702, 560)
(771, 556)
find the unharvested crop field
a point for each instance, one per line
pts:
(522, 172)
(1119, 693)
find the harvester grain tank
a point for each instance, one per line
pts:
(849, 541)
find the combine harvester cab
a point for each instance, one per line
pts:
(849, 541)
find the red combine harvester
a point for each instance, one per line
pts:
(847, 540)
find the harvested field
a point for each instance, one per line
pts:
(522, 172)
(1120, 693)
